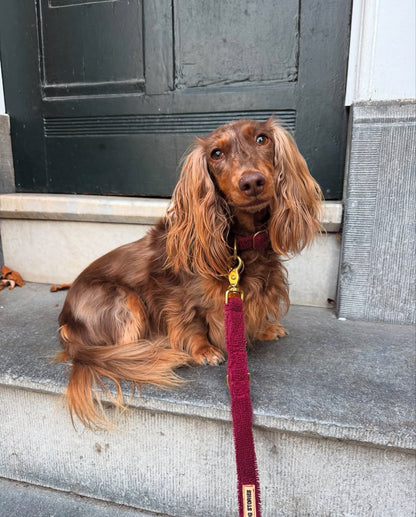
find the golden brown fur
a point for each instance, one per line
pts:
(148, 307)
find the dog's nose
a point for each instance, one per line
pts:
(252, 184)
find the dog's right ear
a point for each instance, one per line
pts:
(197, 221)
(295, 215)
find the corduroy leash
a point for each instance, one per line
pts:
(238, 380)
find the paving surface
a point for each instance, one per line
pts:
(341, 379)
(24, 500)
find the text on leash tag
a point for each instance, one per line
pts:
(249, 504)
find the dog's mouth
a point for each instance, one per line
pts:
(253, 206)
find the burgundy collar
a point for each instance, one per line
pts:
(258, 241)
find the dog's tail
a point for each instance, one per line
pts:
(143, 362)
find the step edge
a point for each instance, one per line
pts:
(293, 425)
(113, 209)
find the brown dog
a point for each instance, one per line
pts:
(148, 307)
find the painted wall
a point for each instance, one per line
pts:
(2, 106)
(382, 51)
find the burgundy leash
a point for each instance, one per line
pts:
(238, 380)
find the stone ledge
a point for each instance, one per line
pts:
(111, 209)
(334, 379)
(62, 207)
(385, 112)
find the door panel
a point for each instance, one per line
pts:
(105, 96)
(219, 43)
(80, 56)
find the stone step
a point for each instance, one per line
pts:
(51, 238)
(333, 421)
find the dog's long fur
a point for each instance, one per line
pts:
(148, 307)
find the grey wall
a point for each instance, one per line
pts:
(377, 272)
(6, 158)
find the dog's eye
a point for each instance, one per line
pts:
(262, 140)
(217, 154)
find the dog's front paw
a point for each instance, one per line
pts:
(209, 356)
(271, 332)
(204, 353)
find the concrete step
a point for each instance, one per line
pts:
(333, 414)
(25, 500)
(51, 238)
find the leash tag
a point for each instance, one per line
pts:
(249, 500)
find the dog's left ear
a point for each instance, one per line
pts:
(295, 215)
(197, 221)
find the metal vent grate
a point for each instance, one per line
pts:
(196, 123)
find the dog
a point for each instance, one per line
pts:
(146, 308)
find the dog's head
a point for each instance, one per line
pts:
(244, 176)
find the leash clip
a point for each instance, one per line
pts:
(234, 279)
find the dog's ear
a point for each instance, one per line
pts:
(197, 221)
(295, 215)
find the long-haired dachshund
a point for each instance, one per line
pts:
(144, 309)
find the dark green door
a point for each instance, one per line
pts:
(105, 95)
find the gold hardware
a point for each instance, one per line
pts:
(234, 279)
(254, 238)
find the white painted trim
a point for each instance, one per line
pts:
(382, 51)
(109, 209)
(362, 49)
